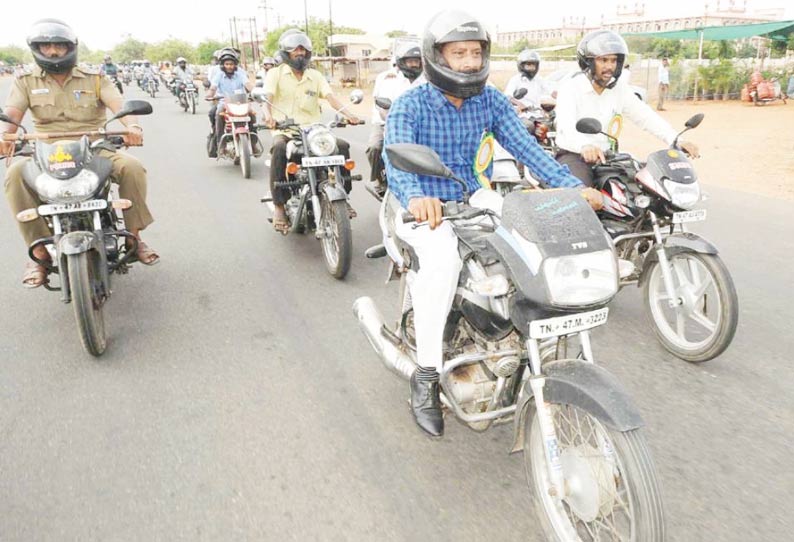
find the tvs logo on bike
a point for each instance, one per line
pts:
(679, 165)
(59, 156)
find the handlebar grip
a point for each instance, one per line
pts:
(117, 141)
(408, 217)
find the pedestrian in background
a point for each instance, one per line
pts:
(664, 83)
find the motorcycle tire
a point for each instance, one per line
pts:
(244, 144)
(337, 242)
(611, 482)
(84, 283)
(689, 267)
(192, 104)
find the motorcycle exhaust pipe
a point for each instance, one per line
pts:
(371, 322)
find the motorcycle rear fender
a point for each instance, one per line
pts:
(334, 192)
(585, 386)
(676, 244)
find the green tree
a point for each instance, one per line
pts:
(11, 54)
(318, 33)
(128, 50)
(396, 34)
(169, 50)
(205, 49)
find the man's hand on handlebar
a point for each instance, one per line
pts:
(426, 210)
(6, 148)
(593, 155)
(134, 138)
(270, 123)
(594, 198)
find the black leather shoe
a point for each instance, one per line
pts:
(425, 403)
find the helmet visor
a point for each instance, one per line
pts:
(51, 32)
(293, 41)
(607, 43)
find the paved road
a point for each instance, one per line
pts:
(238, 400)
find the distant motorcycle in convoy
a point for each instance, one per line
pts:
(314, 177)
(116, 82)
(238, 142)
(88, 242)
(534, 282)
(151, 86)
(188, 96)
(690, 298)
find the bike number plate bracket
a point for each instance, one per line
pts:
(314, 161)
(567, 325)
(239, 119)
(683, 217)
(66, 208)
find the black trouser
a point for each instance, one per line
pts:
(579, 168)
(278, 168)
(375, 158)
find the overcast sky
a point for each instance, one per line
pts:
(155, 20)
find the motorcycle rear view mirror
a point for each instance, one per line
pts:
(131, 107)
(519, 93)
(258, 94)
(383, 103)
(588, 125)
(357, 96)
(421, 160)
(694, 121)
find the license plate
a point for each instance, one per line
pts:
(313, 161)
(66, 208)
(689, 216)
(239, 119)
(566, 325)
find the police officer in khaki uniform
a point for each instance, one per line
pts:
(63, 97)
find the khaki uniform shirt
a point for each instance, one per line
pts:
(78, 105)
(298, 99)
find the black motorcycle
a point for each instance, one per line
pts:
(534, 282)
(88, 242)
(690, 298)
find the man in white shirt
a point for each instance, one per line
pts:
(391, 84)
(598, 92)
(664, 83)
(527, 77)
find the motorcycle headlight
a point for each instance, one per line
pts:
(582, 279)
(684, 196)
(78, 188)
(321, 141)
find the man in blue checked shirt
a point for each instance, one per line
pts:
(451, 113)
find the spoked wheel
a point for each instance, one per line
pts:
(244, 143)
(611, 491)
(702, 325)
(88, 300)
(337, 238)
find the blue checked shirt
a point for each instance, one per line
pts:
(423, 115)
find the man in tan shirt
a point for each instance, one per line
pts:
(296, 89)
(61, 98)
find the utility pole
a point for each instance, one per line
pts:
(306, 17)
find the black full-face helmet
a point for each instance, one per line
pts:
(601, 43)
(528, 57)
(291, 40)
(447, 27)
(53, 31)
(228, 53)
(405, 49)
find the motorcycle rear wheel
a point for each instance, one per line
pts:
(704, 325)
(84, 283)
(337, 240)
(612, 492)
(192, 104)
(244, 144)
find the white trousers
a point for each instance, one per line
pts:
(433, 286)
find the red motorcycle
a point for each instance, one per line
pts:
(238, 142)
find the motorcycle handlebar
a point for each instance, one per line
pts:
(450, 210)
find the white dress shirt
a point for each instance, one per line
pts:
(576, 99)
(664, 74)
(389, 84)
(536, 89)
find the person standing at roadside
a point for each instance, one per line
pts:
(664, 83)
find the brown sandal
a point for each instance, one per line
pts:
(35, 275)
(281, 222)
(145, 255)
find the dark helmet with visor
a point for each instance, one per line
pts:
(47, 31)
(601, 43)
(404, 49)
(291, 40)
(447, 27)
(528, 57)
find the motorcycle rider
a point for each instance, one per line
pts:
(528, 64)
(149, 72)
(598, 91)
(294, 89)
(182, 74)
(268, 63)
(230, 79)
(451, 113)
(109, 69)
(391, 84)
(214, 65)
(63, 97)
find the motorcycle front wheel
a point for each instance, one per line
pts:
(611, 491)
(244, 144)
(86, 287)
(192, 104)
(703, 324)
(337, 237)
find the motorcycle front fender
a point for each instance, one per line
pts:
(77, 242)
(676, 244)
(334, 192)
(583, 385)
